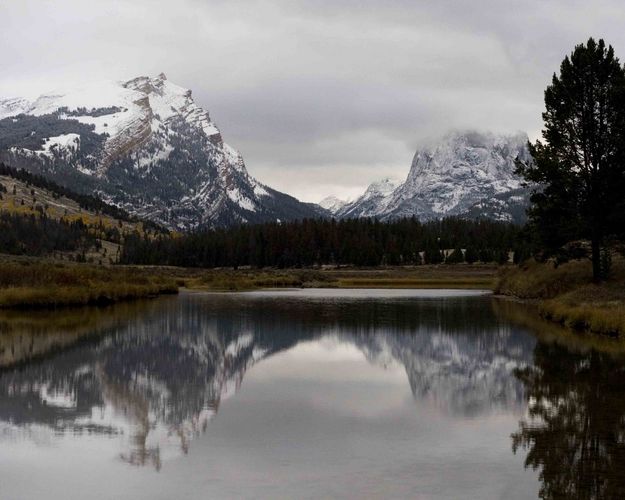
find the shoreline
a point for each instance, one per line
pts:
(46, 284)
(563, 295)
(566, 295)
(33, 283)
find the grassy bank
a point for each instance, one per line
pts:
(36, 283)
(526, 316)
(441, 276)
(567, 295)
(26, 282)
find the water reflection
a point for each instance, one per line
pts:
(149, 378)
(154, 375)
(575, 430)
(27, 335)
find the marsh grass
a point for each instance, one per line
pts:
(526, 315)
(597, 308)
(429, 283)
(444, 276)
(46, 283)
(32, 283)
(567, 295)
(242, 280)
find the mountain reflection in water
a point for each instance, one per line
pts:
(151, 376)
(158, 377)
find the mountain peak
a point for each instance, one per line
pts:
(463, 173)
(332, 204)
(382, 187)
(143, 145)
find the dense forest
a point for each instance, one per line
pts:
(310, 242)
(40, 235)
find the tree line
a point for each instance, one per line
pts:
(40, 235)
(311, 242)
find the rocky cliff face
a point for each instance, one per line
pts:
(466, 174)
(144, 145)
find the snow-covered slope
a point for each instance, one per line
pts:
(371, 202)
(467, 174)
(144, 145)
(332, 204)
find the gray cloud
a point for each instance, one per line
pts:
(320, 96)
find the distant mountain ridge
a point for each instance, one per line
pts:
(466, 174)
(143, 145)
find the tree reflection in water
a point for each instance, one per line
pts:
(574, 433)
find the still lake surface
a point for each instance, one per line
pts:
(306, 394)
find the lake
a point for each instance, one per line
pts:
(307, 394)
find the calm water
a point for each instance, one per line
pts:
(306, 394)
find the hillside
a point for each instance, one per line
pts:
(99, 228)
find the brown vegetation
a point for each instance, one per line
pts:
(567, 295)
(426, 276)
(32, 283)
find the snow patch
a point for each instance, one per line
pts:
(241, 200)
(60, 145)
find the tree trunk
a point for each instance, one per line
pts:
(597, 275)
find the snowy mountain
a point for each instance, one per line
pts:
(332, 204)
(370, 203)
(468, 174)
(143, 145)
(462, 373)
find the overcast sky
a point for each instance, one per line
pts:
(321, 96)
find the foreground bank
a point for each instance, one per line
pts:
(39, 283)
(566, 294)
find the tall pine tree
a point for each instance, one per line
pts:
(580, 166)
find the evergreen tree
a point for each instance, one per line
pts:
(471, 255)
(580, 166)
(486, 255)
(359, 242)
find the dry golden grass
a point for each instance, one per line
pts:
(32, 283)
(443, 276)
(430, 283)
(596, 308)
(527, 315)
(534, 280)
(567, 295)
(229, 280)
